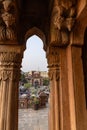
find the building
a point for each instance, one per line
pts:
(44, 74)
(36, 78)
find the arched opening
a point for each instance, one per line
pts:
(38, 32)
(84, 60)
(34, 85)
(35, 54)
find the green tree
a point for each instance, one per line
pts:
(23, 79)
(45, 81)
(27, 85)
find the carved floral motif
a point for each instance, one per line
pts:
(8, 20)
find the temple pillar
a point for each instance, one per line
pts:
(62, 101)
(10, 63)
(54, 75)
(59, 55)
(79, 85)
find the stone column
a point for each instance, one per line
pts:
(54, 75)
(10, 63)
(62, 102)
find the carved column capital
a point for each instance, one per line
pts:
(10, 59)
(53, 57)
(62, 21)
(10, 62)
(9, 75)
(53, 62)
(54, 74)
(10, 65)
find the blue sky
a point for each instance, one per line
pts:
(34, 55)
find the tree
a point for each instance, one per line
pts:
(27, 85)
(23, 79)
(45, 81)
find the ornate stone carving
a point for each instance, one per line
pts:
(53, 63)
(53, 57)
(4, 75)
(7, 4)
(9, 75)
(50, 73)
(62, 21)
(9, 57)
(54, 74)
(8, 20)
(2, 33)
(10, 65)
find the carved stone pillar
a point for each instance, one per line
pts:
(54, 75)
(10, 62)
(62, 102)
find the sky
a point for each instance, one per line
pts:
(34, 56)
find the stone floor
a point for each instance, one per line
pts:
(30, 119)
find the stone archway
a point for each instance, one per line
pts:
(10, 63)
(53, 58)
(11, 59)
(63, 49)
(35, 31)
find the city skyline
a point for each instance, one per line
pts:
(34, 57)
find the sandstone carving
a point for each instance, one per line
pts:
(10, 34)
(50, 73)
(53, 57)
(53, 63)
(7, 4)
(8, 21)
(9, 57)
(62, 21)
(2, 33)
(54, 74)
(9, 75)
(4, 75)
(10, 60)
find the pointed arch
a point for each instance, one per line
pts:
(38, 32)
